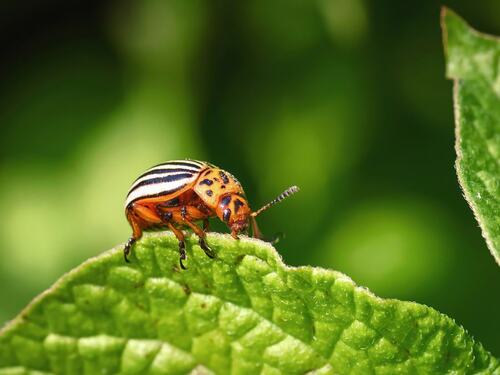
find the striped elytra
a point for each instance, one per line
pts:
(179, 193)
(163, 179)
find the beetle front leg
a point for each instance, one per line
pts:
(202, 238)
(208, 251)
(206, 225)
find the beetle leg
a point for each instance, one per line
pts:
(136, 234)
(182, 245)
(184, 213)
(234, 234)
(166, 217)
(208, 251)
(202, 236)
(206, 225)
(126, 249)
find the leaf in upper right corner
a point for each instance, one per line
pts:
(473, 62)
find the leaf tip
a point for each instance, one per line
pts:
(447, 16)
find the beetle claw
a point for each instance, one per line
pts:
(203, 244)
(126, 249)
(182, 254)
(182, 264)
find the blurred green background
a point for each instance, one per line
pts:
(345, 98)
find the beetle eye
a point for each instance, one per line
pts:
(237, 204)
(226, 214)
(225, 201)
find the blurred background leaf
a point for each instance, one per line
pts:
(346, 99)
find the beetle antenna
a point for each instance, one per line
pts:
(290, 191)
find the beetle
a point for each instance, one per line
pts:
(178, 193)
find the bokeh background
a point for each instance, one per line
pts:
(345, 98)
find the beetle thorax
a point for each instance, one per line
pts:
(213, 183)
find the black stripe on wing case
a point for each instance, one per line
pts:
(164, 192)
(163, 171)
(186, 163)
(159, 180)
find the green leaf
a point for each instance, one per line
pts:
(244, 312)
(473, 62)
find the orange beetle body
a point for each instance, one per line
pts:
(179, 193)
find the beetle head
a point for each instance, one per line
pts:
(233, 210)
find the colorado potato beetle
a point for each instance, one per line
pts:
(179, 193)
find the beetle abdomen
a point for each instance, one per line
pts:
(164, 179)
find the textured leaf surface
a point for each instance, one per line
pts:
(473, 62)
(244, 312)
